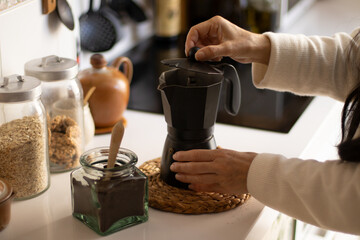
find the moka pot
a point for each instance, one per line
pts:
(190, 97)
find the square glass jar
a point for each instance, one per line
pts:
(108, 200)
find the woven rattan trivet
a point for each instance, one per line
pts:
(171, 199)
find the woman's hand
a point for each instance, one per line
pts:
(218, 170)
(218, 37)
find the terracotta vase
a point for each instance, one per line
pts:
(111, 96)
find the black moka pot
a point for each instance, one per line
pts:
(190, 96)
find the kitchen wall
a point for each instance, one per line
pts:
(131, 32)
(26, 33)
(327, 17)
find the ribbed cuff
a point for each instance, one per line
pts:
(261, 174)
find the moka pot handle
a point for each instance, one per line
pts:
(232, 88)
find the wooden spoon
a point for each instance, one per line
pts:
(117, 134)
(88, 95)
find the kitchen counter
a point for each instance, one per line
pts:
(314, 135)
(48, 216)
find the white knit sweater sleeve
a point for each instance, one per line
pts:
(307, 65)
(325, 194)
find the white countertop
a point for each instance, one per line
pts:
(48, 216)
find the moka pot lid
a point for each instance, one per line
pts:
(191, 64)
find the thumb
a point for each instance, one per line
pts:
(211, 52)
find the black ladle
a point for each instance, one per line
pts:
(130, 7)
(97, 32)
(64, 12)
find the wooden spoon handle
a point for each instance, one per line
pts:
(88, 95)
(117, 134)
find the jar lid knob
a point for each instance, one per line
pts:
(98, 61)
(6, 82)
(46, 60)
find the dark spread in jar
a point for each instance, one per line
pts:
(111, 200)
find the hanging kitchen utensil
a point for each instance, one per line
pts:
(64, 12)
(48, 6)
(99, 30)
(112, 16)
(129, 7)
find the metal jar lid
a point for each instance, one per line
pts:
(52, 68)
(16, 88)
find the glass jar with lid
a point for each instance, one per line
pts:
(62, 97)
(6, 196)
(109, 199)
(24, 159)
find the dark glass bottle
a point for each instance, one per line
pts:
(261, 15)
(168, 19)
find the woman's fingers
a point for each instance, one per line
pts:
(203, 34)
(211, 52)
(191, 40)
(198, 178)
(198, 155)
(192, 167)
(218, 170)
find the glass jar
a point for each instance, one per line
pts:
(6, 196)
(108, 200)
(24, 159)
(261, 15)
(62, 97)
